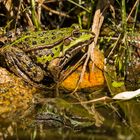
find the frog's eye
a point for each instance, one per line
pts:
(67, 42)
(76, 33)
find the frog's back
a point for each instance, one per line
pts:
(31, 39)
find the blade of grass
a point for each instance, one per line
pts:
(124, 23)
(136, 14)
(34, 17)
(71, 1)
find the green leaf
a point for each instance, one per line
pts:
(117, 84)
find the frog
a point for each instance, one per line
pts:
(36, 54)
(60, 113)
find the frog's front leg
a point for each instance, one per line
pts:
(20, 63)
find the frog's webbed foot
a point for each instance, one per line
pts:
(20, 64)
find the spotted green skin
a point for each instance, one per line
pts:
(36, 53)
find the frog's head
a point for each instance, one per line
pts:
(71, 46)
(78, 39)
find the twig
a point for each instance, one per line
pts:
(105, 98)
(55, 12)
(97, 23)
(111, 52)
(71, 1)
(132, 10)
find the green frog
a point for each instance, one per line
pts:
(60, 113)
(36, 54)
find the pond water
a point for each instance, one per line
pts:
(121, 124)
